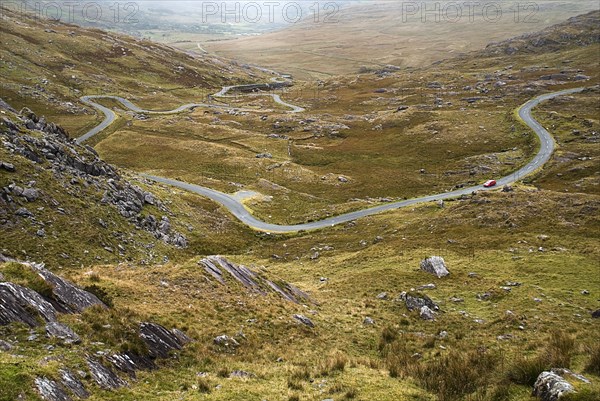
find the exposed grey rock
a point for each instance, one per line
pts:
(23, 212)
(241, 374)
(70, 381)
(21, 304)
(426, 313)
(417, 301)
(5, 346)
(103, 376)
(69, 298)
(368, 321)
(50, 390)
(182, 338)
(551, 387)
(596, 314)
(264, 156)
(75, 164)
(159, 340)
(382, 295)
(62, 332)
(7, 166)
(225, 341)
(31, 194)
(435, 265)
(130, 363)
(430, 286)
(215, 265)
(566, 372)
(304, 320)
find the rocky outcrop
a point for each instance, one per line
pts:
(47, 144)
(220, 269)
(66, 296)
(62, 332)
(103, 376)
(304, 320)
(24, 305)
(576, 31)
(50, 390)
(416, 301)
(159, 340)
(70, 381)
(21, 304)
(129, 363)
(435, 265)
(550, 386)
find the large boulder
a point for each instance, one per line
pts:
(435, 265)
(550, 386)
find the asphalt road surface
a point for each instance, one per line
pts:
(236, 208)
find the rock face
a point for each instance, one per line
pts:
(50, 390)
(130, 363)
(103, 376)
(159, 340)
(70, 381)
(215, 266)
(551, 387)
(21, 304)
(435, 265)
(69, 298)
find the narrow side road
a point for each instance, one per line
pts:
(236, 208)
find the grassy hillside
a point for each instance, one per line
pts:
(524, 262)
(374, 34)
(48, 65)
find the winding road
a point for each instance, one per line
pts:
(236, 208)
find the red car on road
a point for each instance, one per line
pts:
(489, 183)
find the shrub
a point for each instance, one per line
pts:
(453, 376)
(388, 335)
(399, 359)
(100, 293)
(525, 371)
(560, 349)
(593, 365)
(204, 385)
